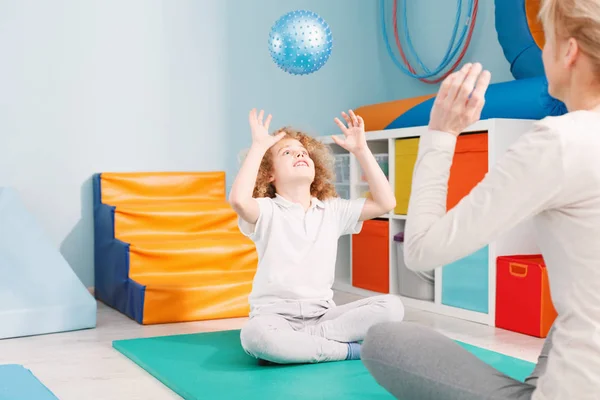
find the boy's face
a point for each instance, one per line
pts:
(291, 162)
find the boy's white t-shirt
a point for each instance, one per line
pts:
(297, 250)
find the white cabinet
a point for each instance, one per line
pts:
(474, 278)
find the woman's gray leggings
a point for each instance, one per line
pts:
(415, 362)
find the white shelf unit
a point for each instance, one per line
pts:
(519, 240)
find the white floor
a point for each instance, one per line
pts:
(83, 365)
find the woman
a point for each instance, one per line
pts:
(551, 175)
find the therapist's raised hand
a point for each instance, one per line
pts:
(460, 99)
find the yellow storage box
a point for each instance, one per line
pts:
(406, 157)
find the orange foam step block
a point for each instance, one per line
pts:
(205, 295)
(168, 248)
(136, 219)
(205, 279)
(141, 187)
(218, 254)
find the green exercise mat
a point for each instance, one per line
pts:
(214, 366)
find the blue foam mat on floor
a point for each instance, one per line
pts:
(19, 383)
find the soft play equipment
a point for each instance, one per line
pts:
(39, 292)
(523, 301)
(521, 36)
(300, 42)
(18, 383)
(214, 366)
(517, 99)
(168, 249)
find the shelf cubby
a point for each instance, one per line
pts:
(499, 135)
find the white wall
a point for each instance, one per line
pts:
(89, 86)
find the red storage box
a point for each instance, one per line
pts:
(370, 257)
(523, 302)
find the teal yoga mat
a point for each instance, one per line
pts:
(18, 383)
(214, 366)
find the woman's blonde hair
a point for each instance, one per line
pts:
(322, 186)
(579, 19)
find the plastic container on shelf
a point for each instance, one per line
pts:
(364, 192)
(383, 161)
(417, 285)
(342, 168)
(343, 191)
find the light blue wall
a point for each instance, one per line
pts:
(430, 25)
(351, 77)
(90, 86)
(359, 72)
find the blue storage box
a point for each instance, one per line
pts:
(465, 283)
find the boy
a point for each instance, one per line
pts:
(287, 204)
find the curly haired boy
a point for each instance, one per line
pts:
(287, 204)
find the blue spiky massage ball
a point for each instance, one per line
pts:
(300, 42)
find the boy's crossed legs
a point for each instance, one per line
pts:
(295, 332)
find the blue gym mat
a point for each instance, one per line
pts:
(214, 366)
(18, 383)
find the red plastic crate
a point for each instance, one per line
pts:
(523, 302)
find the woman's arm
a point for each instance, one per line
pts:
(521, 184)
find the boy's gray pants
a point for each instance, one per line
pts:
(300, 332)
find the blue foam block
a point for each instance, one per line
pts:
(514, 36)
(519, 99)
(18, 383)
(111, 262)
(39, 292)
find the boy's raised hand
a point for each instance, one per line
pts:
(354, 135)
(260, 130)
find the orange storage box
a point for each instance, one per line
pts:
(370, 257)
(523, 302)
(469, 166)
